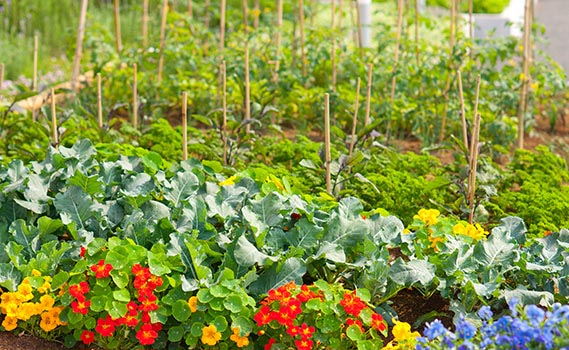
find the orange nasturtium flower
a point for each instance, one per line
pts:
(193, 303)
(210, 335)
(239, 340)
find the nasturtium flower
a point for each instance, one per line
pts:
(193, 303)
(36, 273)
(229, 181)
(402, 332)
(377, 322)
(81, 307)
(269, 344)
(50, 319)
(428, 216)
(239, 340)
(105, 326)
(263, 316)
(352, 304)
(146, 335)
(304, 344)
(210, 335)
(101, 269)
(10, 323)
(475, 232)
(46, 302)
(87, 337)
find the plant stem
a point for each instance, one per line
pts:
(247, 90)
(162, 41)
(145, 23)
(222, 10)
(368, 93)
(462, 112)
(135, 96)
(55, 137)
(525, 74)
(2, 67)
(224, 101)
(117, 17)
(99, 101)
(35, 67)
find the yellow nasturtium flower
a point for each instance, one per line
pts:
(239, 340)
(428, 216)
(10, 323)
(229, 181)
(475, 232)
(210, 335)
(193, 303)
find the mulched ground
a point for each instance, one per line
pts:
(9, 341)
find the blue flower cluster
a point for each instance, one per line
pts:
(529, 327)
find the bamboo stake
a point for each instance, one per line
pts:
(35, 68)
(190, 9)
(145, 23)
(353, 24)
(222, 27)
(470, 20)
(162, 40)
(340, 15)
(117, 17)
(360, 32)
(99, 101)
(301, 24)
(400, 6)
(473, 154)
(333, 40)
(135, 96)
(474, 163)
(327, 142)
(278, 39)
(257, 14)
(247, 90)
(206, 19)
(224, 122)
(245, 7)
(185, 125)
(368, 94)
(525, 74)
(355, 119)
(448, 80)
(2, 67)
(417, 51)
(462, 111)
(79, 45)
(55, 137)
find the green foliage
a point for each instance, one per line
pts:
(536, 189)
(479, 6)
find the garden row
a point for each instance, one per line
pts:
(127, 250)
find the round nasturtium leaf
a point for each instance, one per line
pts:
(121, 295)
(197, 329)
(204, 296)
(98, 303)
(354, 332)
(181, 310)
(217, 304)
(218, 291)
(176, 333)
(233, 303)
(220, 323)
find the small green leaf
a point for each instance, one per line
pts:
(122, 295)
(118, 309)
(98, 303)
(233, 303)
(354, 332)
(181, 311)
(176, 333)
(220, 323)
(197, 328)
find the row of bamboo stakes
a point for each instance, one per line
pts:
(471, 146)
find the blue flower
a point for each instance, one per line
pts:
(465, 329)
(535, 314)
(434, 329)
(512, 303)
(485, 313)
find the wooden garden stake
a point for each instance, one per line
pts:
(55, 137)
(190, 9)
(117, 17)
(245, 7)
(327, 142)
(474, 164)
(1, 76)
(301, 25)
(400, 6)
(368, 94)
(355, 119)
(353, 24)
(360, 31)
(144, 23)
(333, 40)
(224, 122)
(278, 39)
(185, 125)
(247, 90)
(473, 154)
(79, 45)
(462, 111)
(448, 80)
(257, 14)
(340, 15)
(470, 20)
(99, 101)
(35, 68)
(525, 73)
(135, 96)
(222, 9)
(417, 51)
(162, 40)
(206, 17)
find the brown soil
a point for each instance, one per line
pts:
(9, 341)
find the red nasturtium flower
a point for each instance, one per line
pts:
(101, 269)
(352, 304)
(105, 327)
(352, 322)
(87, 337)
(269, 344)
(78, 290)
(306, 332)
(263, 316)
(305, 294)
(304, 344)
(146, 335)
(81, 306)
(377, 322)
(82, 252)
(147, 303)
